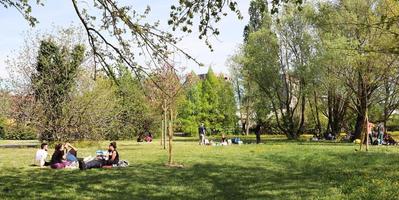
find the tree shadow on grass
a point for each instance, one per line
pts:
(200, 181)
(353, 175)
(327, 175)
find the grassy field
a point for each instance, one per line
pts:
(275, 170)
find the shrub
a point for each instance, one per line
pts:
(20, 132)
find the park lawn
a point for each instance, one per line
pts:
(22, 142)
(274, 170)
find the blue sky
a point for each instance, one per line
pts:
(61, 13)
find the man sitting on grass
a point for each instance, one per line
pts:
(41, 155)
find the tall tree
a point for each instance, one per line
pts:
(52, 82)
(360, 36)
(227, 105)
(210, 101)
(165, 91)
(257, 10)
(190, 110)
(211, 109)
(279, 63)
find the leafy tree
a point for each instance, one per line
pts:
(257, 10)
(190, 109)
(210, 101)
(4, 109)
(52, 82)
(93, 109)
(279, 62)
(24, 7)
(211, 114)
(355, 31)
(134, 117)
(227, 106)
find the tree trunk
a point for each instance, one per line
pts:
(162, 131)
(240, 103)
(361, 116)
(247, 124)
(361, 112)
(317, 113)
(170, 159)
(302, 120)
(257, 132)
(165, 127)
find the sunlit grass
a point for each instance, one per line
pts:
(276, 169)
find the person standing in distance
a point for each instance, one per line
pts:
(201, 132)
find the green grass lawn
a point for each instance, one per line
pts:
(274, 170)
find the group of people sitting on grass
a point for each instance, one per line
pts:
(223, 142)
(147, 137)
(65, 156)
(378, 136)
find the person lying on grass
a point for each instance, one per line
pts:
(61, 157)
(112, 158)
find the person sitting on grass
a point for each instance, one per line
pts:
(58, 159)
(330, 136)
(148, 137)
(389, 140)
(41, 156)
(112, 158)
(71, 153)
(62, 157)
(224, 139)
(113, 155)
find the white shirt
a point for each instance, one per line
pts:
(41, 154)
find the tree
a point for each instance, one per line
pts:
(279, 62)
(227, 106)
(190, 109)
(24, 7)
(236, 72)
(390, 91)
(52, 82)
(257, 10)
(165, 90)
(329, 95)
(212, 115)
(134, 117)
(355, 31)
(4, 109)
(101, 109)
(209, 100)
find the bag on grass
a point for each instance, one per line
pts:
(121, 164)
(236, 140)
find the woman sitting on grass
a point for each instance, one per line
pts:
(58, 159)
(61, 157)
(113, 155)
(112, 158)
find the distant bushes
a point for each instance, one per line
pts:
(18, 132)
(393, 123)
